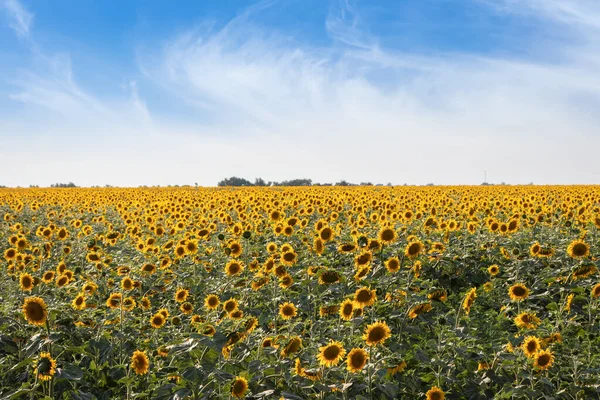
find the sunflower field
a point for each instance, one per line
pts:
(300, 293)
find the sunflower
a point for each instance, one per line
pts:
(127, 283)
(469, 300)
(181, 295)
(331, 354)
(145, 303)
(347, 309)
(413, 249)
(10, 254)
(234, 268)
(438, 295)
(362, 259)
(26, 282)
(287, 311)
(365, 297)
(329, 277)
(148, 269)
(584, 271)
(79, 302)
(527, 320)
(356, 360)
(239, 387)
(578, 249)
(518, 292)
(494, 270)
(347, 248)
(376, 333)
(114, 300)
(62, 280)
(292, 346)
(595, 292)
(289, 258)
(48, 276)
(187, 308)
(531, 345)
(435, 393)
(45, 367)
(191, 247)
(235, 248)
(208, 330)
(318, 246)
(271, 247)
(392, 265)
(158, 320)
(543, 359)
(230, 305)
(387, 235)
(139, 362)
(35, 310)
(419, 309)
(211, 302)
(286, 281)
(326, 234)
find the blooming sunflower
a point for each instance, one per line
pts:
(377, 333)
(211, 302)
(527, 320)
(419, 309)
(518, 292)
(292, 346)
(365, 297)
(331, 354)
(45, 367)
(356, 360)
(392, 265)
(158, 320)
(347, 309)
(234, 268)
(79, 302)
(531, 345)
(413, 249)
(181, 295)
(35, 310)
(114, 300)
(543, 359)
(469, 300)
(139, 362)
(387, 235)
(230, 305)
(435, 393)
(578, 249)
(239, 387)
(26, 282)
(494, 270)
(595, 292)
(287, 311)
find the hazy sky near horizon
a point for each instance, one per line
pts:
(149, 92)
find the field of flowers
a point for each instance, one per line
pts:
(300, 293)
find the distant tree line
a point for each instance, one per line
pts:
(237, 181)
(63, 185)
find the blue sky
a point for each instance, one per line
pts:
(403, 91)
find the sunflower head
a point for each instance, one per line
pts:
(331, 354)
(346, 309)
(45, 367)
(287, 311)
(239, 387)
(543, 359)
(435, 393)
(211, 302)
(356, 360)
(139, 362)
(365, 297)
(578, 249)
(518, 292)
(377, 333)
(35, 310)
(531, 345)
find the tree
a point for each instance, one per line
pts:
(234, 181)
(260, 182)
(63, 185)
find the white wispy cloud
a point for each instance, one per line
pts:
(267, 104)
(20, 19)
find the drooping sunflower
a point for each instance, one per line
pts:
(140, 363)
(239, 387)
(595, 292)
(392, 265)
(377, 333)
(186, 308)
(287, 311)
(363, 259)
(438, 295)
(211, 302)
(293, 345)
(234, 268)
(435, 393)
(469, 300)
(331, 354)
(531, 345)
(26, 282)
(584, 271)
(356, 360)
(518, 292)
(527, 320)
(543, 359)
(419, 309)
(329, 277)
(347, 309)
(365, 297)
(45, 367)
(578, 249)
